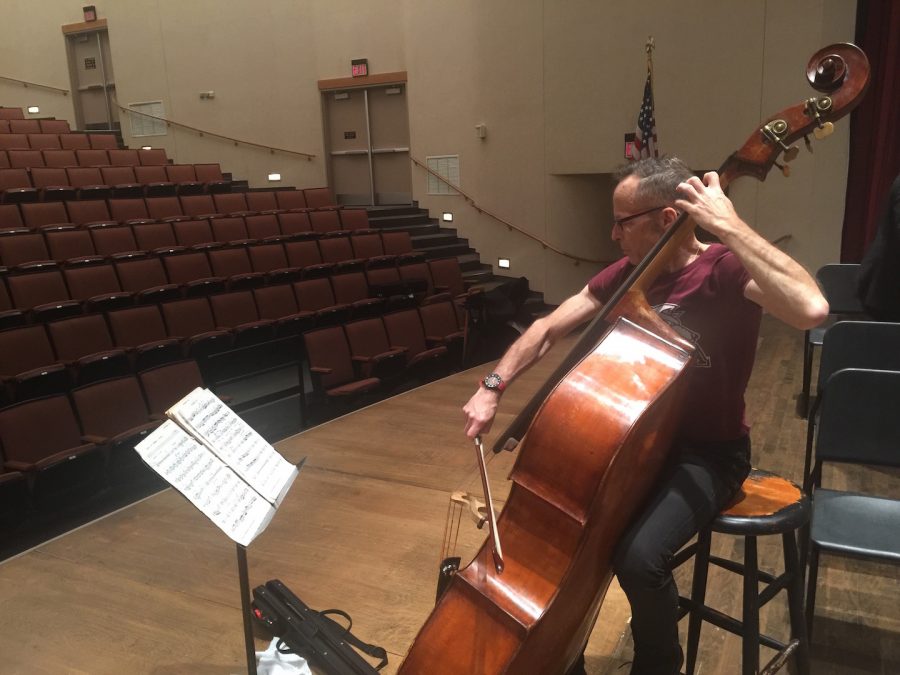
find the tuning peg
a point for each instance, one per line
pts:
(790, 154)
(823, 131)
(808, 143)
(785, 169)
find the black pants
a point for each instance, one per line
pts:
(699, 482)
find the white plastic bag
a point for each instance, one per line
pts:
(273, 662)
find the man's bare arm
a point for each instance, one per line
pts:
(525, 351)
(779, 284)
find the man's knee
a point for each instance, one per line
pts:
(640, 565)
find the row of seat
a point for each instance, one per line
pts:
(23, 126)
(23, 158)
(68, 242)
(7, 113)
(247, 263)
(61, 184)
(79, 441)
(58, 184)
(51, 292)
(292, 305)
(361, 356)
(44, 357)
(167, 208)
(36, 140)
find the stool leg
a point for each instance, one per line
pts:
(750, 658)
(795, 601)
(698, 597)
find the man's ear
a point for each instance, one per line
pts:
(669, 216)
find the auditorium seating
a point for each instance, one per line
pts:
(317, 296)
(441, 327)
(142, 332)
(279, 303)
(372, 352)
(119, 264)
(67, 243)
(28, 366)
(62, 270)
(74, 141)
(236, 311)
(155, 180)
(114, 416)
(84, 344)
(319, 197)
(167, 384)
(192, 232)
(54, 454)
(350, 288)
(155, 236)
(332, 367)
(185, 178)
(404, 329)
(192, 320)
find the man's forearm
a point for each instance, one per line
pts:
(786, 289)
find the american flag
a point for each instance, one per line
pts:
(645, 135)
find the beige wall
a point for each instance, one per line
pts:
(556, 83)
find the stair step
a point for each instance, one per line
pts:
(400, 220)
(446, 250)
(481, 277)
(429, 239)
(394, 210)
(470, 261)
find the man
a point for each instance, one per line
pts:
(879, 272)
(713, 294)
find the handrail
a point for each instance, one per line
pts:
(471, 200)
(26, 84)
(577, 259)
(202, 132)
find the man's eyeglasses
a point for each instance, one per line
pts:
(621, 221)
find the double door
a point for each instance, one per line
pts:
(93, 81)
(367, 143)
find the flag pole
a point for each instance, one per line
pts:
(649, 47)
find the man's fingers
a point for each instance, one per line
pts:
(689, 191)
(711, 179)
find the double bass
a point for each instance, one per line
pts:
(600, 429)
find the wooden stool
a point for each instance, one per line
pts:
(766, 504)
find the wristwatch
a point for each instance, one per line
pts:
(494, 382)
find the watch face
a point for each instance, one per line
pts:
(492, 381)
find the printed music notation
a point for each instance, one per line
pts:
(220, 464)
(206, 417)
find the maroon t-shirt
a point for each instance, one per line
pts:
(705, 303)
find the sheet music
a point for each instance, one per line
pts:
(228, 501)
(235, 442)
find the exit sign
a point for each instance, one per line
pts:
(359, 67)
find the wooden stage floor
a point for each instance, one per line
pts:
(153, 588)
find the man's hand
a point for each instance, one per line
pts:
(708, 205)
(480, 411)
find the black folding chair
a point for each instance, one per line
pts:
(838, 282)
(852, 344)
(858, 424)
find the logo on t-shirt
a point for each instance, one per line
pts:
(672, 314)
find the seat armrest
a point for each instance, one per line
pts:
(96, 440)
